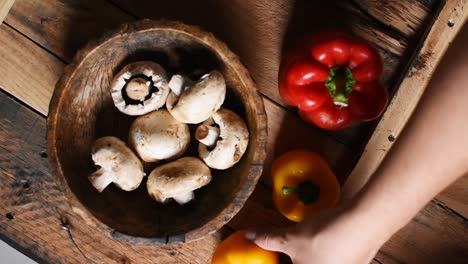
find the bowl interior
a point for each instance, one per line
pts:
(86, 112)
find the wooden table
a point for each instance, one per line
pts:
(39, 37)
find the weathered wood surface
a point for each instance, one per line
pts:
(64, 26)
(423, 240)
(432, 230)
(5, 6)
(455, 197)
(405, 16)
(26, 69)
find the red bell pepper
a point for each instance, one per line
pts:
(334, 79)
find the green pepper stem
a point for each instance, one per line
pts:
(288, 190)
(307, 192)
(340, 83)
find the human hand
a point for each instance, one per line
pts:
(337, 236)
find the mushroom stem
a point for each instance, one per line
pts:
(100, 179)
(184, 198)
(176, 84)
(208, 135)
(137, 89)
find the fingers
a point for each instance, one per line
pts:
(278, 240)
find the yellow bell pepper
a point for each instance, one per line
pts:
(236, 249)
(303, 184)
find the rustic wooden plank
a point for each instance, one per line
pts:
(64, 26)
(455, 197)
(363, 26)
(407, 16)
(410, 91)
(5, 6)
(26, 69)
(435, 235)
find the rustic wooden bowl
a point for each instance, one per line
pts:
(82, 110)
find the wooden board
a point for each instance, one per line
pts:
(405, 16)
(5, 6)
(27, 69)
(259, 204)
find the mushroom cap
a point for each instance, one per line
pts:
(232, 142)
(118, 164)
(147, 69)
(197, 103)
(157, 136)
(177, 178)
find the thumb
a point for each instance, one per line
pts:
(273, 240)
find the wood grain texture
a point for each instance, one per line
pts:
(366, 26)
(27, 69)
(409, 92)
(5, 6)
(455, 197)
(62, 25)
(434, 223)
(406, 16)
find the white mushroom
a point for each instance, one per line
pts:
(194, 102)
(118, 165)
(178, 180)
(221, 148)
(158, 136)
(139, 88)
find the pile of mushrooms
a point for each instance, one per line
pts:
(161, 135)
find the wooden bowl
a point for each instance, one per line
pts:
(82, 110)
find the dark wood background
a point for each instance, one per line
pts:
(39, 37)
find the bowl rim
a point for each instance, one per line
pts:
(227, 56)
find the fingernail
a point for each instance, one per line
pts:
(250, 235)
